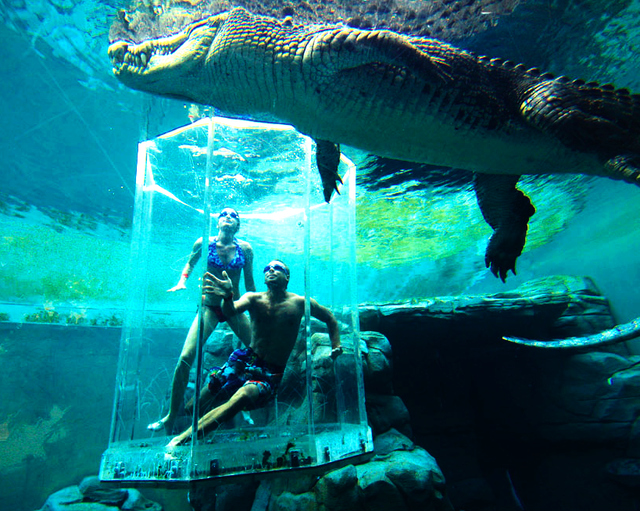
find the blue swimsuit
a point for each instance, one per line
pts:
(237, 263)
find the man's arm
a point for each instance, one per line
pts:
(323, 314)
(224, 288)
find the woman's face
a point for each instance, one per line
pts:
(229, 219)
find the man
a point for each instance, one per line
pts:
(251, 376)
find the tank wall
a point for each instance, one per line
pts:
(56, 396)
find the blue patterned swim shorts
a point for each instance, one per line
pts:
(244, 367)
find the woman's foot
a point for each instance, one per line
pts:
(166, 423)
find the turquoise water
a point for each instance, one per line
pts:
(68, 143)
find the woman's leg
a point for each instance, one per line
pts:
(181, 372)
(241, 326)
(206, 402)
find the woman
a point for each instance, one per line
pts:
(226, 253)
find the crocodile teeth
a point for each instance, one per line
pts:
(144, 59)
(118, 57)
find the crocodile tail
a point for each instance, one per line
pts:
(620, 333)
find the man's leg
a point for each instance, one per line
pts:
(206, 401)
(245, 396)
(181, 372)
(241, 326)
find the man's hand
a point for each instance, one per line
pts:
(336, 352)
(220, 287)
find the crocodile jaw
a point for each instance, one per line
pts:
(169, 66)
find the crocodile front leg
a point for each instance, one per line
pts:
(507, 210)
(328, 159)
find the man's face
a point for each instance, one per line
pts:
(276, 273)
(229, 219)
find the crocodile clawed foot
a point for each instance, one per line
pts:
(500, 264)
(328, 159)
(504, 247)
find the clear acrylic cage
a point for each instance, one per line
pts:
(267, 172)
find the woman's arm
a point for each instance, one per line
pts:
(188, 268)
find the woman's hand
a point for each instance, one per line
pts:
(178, 287)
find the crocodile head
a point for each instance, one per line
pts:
(171, 66)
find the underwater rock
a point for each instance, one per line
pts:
(137, 501)
(229, 497)
(625, 471)
(392, 440)
(287, 501)
(387, 411)
(93, 491)
(62, 499)
(384, 409)
(551, 307)
(503, 419)
(401, 476)
(91, 496)
(594, 396)
(377, 363)
(417, 475)
(379, 493)
(236, 497)
(218, 347)
(338, 490)
(403, 480)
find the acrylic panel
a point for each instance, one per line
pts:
(267, 173)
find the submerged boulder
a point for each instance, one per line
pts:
(551, 307)
(401, 477)
(91, 495)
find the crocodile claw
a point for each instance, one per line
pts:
(500, 262)
(330, 185)
(504, 247)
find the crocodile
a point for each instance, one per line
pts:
(404, 97)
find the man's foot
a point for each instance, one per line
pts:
(170, 451)
(165, 423)
(170, 448)
(175, 442)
